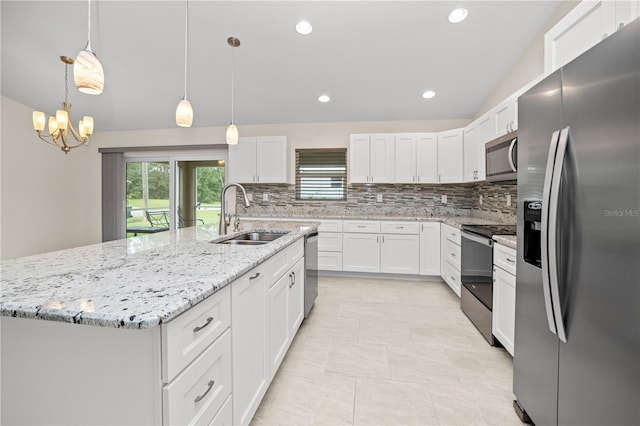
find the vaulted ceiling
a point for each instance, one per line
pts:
(374, 59)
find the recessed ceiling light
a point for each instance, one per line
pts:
(304, 28)
(324, 99)
(458, 15)
(428, 94)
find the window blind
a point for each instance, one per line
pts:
(321, 174)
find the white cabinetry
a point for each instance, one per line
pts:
(251, 374)
(296, 298)
(361, 246)
(583, 27)
(450, 158)
(262, 159)
(329, 245)
(371, 158)
(450, 256)
(473, 155)
(430, 248)
(416, 158)
(506, 116)
(400, 248)
(504, 295)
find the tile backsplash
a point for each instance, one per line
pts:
(397, 200)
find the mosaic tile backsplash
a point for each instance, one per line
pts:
(397, 201)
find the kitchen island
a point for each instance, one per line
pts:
(138, 331)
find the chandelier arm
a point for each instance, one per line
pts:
(76, 135)
(54, 143)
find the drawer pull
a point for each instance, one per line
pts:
(199, 397)
(510, 260)
(255, 276)
(453, 255)
(399, 227)
(452, 279)
(209, 320)
(361, 226)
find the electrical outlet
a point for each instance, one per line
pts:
(379, 198)
(508, 200)
(444, 199)
(265, 196)
(250, 196)
(481, 200)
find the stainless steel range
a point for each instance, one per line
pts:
(476, 299)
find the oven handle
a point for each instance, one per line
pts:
(482, 240)
(544, 237)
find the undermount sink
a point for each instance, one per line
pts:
(253, 238)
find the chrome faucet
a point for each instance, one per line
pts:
(224, 221)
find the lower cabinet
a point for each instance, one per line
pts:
(430, 248)
(450, 257)
(251, 375)
(400, 254)
(504, 296)
(361, 252)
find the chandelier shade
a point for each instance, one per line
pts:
(232, 135)
(184, 114)
(87, 72)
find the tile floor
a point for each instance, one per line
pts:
(388, 352)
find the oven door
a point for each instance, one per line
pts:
(477, 267)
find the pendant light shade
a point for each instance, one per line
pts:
(88, 75)
(184, 114)
(232, 135)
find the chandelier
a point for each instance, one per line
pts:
(60, 126)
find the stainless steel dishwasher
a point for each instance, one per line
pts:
(310, 271)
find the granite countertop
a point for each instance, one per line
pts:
(138, 282)
(510, 241)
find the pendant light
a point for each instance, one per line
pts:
(184, 111)
(87, 70)
(232, 130)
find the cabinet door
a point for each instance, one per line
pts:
(272, 159)
(430, 248)
(361, 252)
(583, 27)
(450, 156)
(296, 298)
(242, 161)
(382, 158)
(400, 254)
(504, 303)
(470, 154)
(249, 341)
(278, 322)
(405, 167)
(359, 159)
(626, 11)
(505, 117)
(427, 157)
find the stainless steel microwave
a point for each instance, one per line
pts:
(502, 159)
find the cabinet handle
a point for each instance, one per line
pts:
(399, 227)
(210, 384)
(377, 239)
(510, 260)
(209, 320)
(294, 278)
(255, 276)
(418, 178)
(383, 238)
(453, 255)
(452, 279)
(361, 226)
(291, 280)
(440, 178)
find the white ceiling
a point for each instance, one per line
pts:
(375, 59)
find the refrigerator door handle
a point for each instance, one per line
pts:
(563, 141)
(510, 155)
(544, 243)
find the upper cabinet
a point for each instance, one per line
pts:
(371, 158)
(450, 159)
(583, 27)
(416, 158)
(263, 159)
(472, 157)
(505, 117)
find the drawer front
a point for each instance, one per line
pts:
(199, 392)
(224, 416)
(330, 241)
(450, 233)
(329, 261)
(452, 254)
(366, 226)
(505, 257)
(452, 277)
(400, 228)
(276, 266)
(184, 338)
(329, 225)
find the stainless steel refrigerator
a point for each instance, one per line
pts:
(577, 330)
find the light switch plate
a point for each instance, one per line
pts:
(481, 200)
(379, 198)
(250, 196)
(444, 199)
(265, 196)
(508, 200)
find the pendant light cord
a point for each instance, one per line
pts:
(233, 72)
(186, 44)
(89, 23)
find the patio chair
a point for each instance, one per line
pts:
(158, 219)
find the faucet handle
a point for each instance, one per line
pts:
(227, 218)
(236, 222)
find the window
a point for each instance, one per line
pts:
(321, 174)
